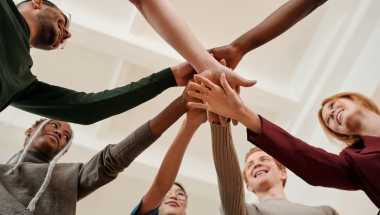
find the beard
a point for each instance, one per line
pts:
(48, 34)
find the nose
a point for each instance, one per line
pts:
(332, 113)
(59, 133)
(173, 195)
(66, 34)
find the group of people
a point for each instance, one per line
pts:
(32, 182)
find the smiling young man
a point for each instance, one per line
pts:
(40, 24)
(32, 182)
(263, 175)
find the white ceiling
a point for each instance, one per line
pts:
(332, 50)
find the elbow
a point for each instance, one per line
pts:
(317, 3)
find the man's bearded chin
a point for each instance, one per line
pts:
(47, 38)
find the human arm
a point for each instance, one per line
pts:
(87, 108)
(230, 181)
(169, 24)
(274, 25)
(314, 165)
(169, 168)
(108, 163)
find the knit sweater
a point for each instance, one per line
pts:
(70, 182)
(231, 186)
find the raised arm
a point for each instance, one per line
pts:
(274, 25)
(230, 180)
(169, 168)
(87, 108)
(314, 165)
(169, 24)
(108, 163)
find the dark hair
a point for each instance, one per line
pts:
(46, 2)
(35, 125)
(180, 186)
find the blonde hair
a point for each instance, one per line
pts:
(257, 149)
(358, 98)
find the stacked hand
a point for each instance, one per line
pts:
(223, 101)
(229, 53)
(195, 115)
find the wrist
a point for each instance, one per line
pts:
(239, 48)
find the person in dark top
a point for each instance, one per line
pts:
(348, 117)
(41, 24)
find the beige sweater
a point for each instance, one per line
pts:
(70, 182)
(231, 187)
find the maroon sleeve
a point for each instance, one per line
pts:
(314, 165)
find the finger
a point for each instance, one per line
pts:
(223, 62)
(223, 121)
(212, 55)
(200, 88)
(224, 83)
(235, 122)
(196, 95)
(205, 81)
(245, 82)
(211, 116)
(197, 105)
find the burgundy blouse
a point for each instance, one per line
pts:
(355, 168)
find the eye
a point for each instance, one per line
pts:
(332, 105)
(66, 137)
(265, 159)
(328, 120)
(180, 193)
(55, 125)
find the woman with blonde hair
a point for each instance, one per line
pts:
(348, 117)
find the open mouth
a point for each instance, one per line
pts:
(338, 117)
(259, 173)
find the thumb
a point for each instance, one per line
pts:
(245, 82)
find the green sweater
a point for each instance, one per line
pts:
(21, 89)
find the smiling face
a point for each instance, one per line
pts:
(53, 28)
(52, 138)
(175, 202)
(262, 172)
(342, 116)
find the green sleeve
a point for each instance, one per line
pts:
(86, 108)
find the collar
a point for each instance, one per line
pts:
(31, 156)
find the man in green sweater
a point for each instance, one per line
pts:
(42, 25)
(263, 175)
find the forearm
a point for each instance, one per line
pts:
(249, 119)
(314, 165)
(113, 159)
(86, 108)
(231, 187)
(169, 168)
(277, 23)
(168, 116)
(169, 24)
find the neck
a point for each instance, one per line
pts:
(370, 125)
(273, 192)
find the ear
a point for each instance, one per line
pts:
(28, 132)
(37, 4)
(284, 174)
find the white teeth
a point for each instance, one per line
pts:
(338, 117)
(260, 172)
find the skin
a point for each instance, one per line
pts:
(264, 185)
(345, 116)
(274, 25)
(53, 137)
(169, 168)
(48, 25)
(172, 205)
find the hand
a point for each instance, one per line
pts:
(233, 79)
(223, 101)
(183, 73)
(187, 98)
(230, 53)
(197, 116)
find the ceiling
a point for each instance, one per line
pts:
(334, 49)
